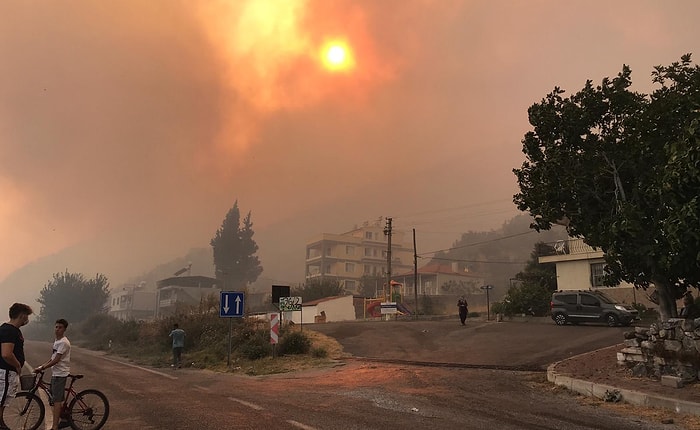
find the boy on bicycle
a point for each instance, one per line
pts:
(60, 361)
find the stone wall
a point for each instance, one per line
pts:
(669, 349)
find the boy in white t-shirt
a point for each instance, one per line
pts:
(60, 361)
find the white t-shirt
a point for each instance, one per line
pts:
(61, 346)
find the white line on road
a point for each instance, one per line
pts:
(300, 425)
(200, 388)
(142, 368)
(250, 405)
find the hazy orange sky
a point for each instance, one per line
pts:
(128, 129)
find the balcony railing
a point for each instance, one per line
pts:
(565, 247)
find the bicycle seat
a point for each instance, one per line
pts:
(76, 376)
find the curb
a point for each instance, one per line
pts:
(600, 391)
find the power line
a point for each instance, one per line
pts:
(479, 261)
(479, 243)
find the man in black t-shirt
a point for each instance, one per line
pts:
(12, 356)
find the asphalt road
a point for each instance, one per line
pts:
(364, 394)
(525, 342)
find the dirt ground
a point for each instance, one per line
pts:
(580, 352)
(601, 366)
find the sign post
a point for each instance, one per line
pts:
(488, 306)
(274, 331)
(291, 304)
(231, 305)
(388, 308)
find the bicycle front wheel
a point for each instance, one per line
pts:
(89, 410)
(25, 412)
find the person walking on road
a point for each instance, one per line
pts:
(12, 354)
(60, 364)
(178, 336)
(463, 307)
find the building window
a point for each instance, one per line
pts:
(368, 252)
(350, 267)
(349, 250)
(349, 285)
(597, 275)
(328, 251)
(368, 269)
(368, 235)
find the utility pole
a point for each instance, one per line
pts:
(387, 233)
(415, 274)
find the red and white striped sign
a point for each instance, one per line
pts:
(274, 328)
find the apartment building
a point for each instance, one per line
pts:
(349, 256)
(132, 302)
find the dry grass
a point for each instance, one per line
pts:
(295, 363)
(265, 366)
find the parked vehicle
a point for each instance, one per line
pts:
(590, 306)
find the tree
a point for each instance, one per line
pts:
(71, 296)
(533, 290)
(621, 170)
(318, 289)
(370, 286)
(235, 262)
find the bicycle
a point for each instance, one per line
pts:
(84, 410)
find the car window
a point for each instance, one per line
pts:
(569, 299)
(589, 300)
(605, 298)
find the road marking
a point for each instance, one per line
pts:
(142, 368)
(244, 403)
(300, 425)
(205, 389)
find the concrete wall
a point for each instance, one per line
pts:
(336, 309)
(576, 275)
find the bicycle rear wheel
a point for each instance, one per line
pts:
(89, 410)
(25, 412)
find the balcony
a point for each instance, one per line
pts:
(565, 250)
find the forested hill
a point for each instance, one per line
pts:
(498, 255)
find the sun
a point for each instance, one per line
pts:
(336, 56)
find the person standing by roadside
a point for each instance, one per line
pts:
(12, 354)
(463, 307)
(60, 363)
(178, 336)
(690, 309)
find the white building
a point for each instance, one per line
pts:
(132, 302)
(327, 309)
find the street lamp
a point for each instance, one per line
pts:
(488, 306)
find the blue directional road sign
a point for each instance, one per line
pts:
(232, 304)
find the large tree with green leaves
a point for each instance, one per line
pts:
(73, 297)
(235, 261)
(621, 170)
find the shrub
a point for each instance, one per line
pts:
(497, 308)
(256, 346)
(294, 343)
(646, 314)
(319, 352)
